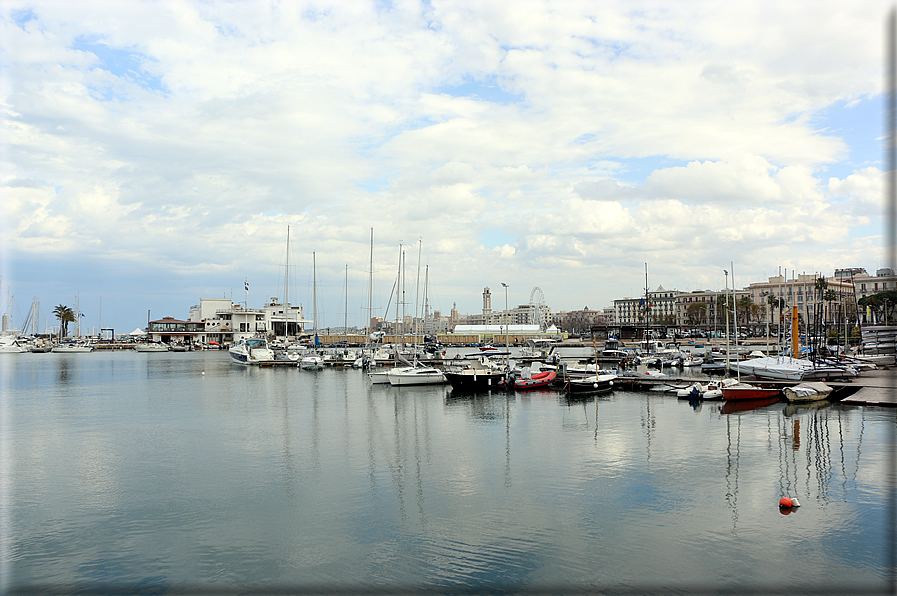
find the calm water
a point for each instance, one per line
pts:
(127, 472)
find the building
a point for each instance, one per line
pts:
(222, 321)
(816, 298)
(171, 330)
(865, 285)
(578, 321)
(658, 309)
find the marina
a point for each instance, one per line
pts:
(167, 472)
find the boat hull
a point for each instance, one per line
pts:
(416, 377)
(749, 393)
(475, 381)
(807, 392)
(595, 384)
(537, 381)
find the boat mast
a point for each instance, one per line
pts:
(647, 310)
(417, 295)
(314, 297)
(367, 325)
(346, 314)
(726, 306)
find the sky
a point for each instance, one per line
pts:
(154, 153)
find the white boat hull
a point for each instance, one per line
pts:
(416, 376)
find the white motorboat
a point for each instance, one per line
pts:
(252, 351)
(10, 345)
(311, 362)
(416, 375)
(150, 346)
(74, 347)
(707, 391)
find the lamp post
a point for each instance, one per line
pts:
(507, 342)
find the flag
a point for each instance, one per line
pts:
(247, 285)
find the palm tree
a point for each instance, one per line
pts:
(65, 315)
(776, 302)
(745, 305)
(830, 296)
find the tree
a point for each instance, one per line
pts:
(745, 305)
(65, 315)
(776, 302)
(829, 296)
(882, 305)
(696, 313)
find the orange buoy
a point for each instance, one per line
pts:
(785, 502)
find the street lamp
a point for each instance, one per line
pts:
(507, 342)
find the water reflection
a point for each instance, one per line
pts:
(275, 475)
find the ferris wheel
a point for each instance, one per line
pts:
(537, 313)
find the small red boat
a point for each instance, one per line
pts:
(740, 391)
(540, 379)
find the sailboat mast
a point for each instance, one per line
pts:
(286, 279)
(346, 313)
(398, 290)
(417, 291)
(367, 325)
(314, 295)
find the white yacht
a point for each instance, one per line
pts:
(73, 347)
(311, 362)
(10, 345)
(151, 346)
(416, 375)
(252, 351)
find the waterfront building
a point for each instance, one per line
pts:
(698, 309)
(658, 308)
(806, 292)
(865, 285)
(579, 321)
(170, 330)
(225, 322)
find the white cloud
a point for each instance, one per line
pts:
(671, 133)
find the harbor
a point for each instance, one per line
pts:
(135, 472)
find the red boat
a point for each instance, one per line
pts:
(746, 405)
(540, 379)
(740, 391)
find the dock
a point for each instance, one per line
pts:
(879, 388)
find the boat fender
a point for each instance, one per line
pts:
(794, 502)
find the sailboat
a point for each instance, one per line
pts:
(313, 360)
(382, 377)
(414, 373)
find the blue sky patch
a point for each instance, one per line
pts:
(860, 124)
(488, 90)
(20, 17)
(635, 170)
(493, 237)
(123, 63)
